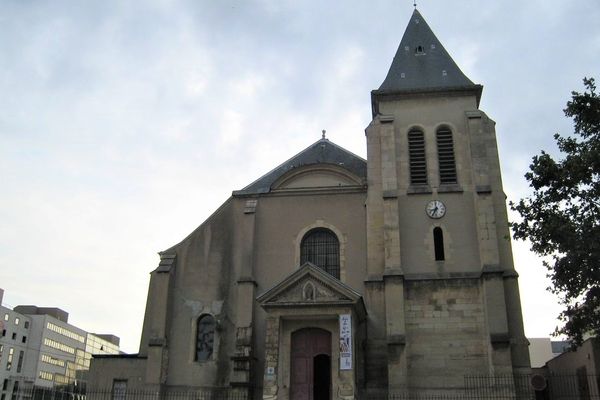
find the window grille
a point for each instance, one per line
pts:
(205, 336)
(446, 159)
(416, 153)
(322, 248)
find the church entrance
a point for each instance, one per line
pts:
(311, 365)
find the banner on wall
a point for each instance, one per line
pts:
(345, 341)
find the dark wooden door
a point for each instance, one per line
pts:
(311, 349)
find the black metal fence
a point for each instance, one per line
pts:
(519, 387)
(38, 393)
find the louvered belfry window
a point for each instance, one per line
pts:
(416, 154)
(321, 247)
(446, 159)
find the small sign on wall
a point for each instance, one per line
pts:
(345, 341)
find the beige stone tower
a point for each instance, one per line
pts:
(441, 291)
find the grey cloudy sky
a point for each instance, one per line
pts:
(123, 125)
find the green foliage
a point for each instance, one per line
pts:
(562, 217)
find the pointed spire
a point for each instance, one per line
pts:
(422, 63)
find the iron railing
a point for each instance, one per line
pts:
(509, 387)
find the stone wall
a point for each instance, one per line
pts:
(446, 337)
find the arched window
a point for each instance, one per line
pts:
(438, 243)
(416, 155)
(205, 336)
(446, 159)
(321, 247)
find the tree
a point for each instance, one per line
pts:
(562, 216)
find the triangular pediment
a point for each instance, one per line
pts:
(310, 286)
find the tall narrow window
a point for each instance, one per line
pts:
(416, 155)
(205, 336)
(446, 160)
(321, 247)
(9, 361)
(438, 243)
(20, 361)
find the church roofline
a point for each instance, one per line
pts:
(323, 151)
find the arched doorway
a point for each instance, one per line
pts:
(311, 365)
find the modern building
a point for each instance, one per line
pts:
(332, 276)
(542, 350)
(39, 348)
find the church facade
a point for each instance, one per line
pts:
(332, 277)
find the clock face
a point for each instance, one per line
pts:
(435, 209)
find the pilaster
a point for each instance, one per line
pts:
(396, 332)
(243, 359)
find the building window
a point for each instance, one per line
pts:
(416, 156)
(446, 160)
(47, 376)
(17, 320)
(15, 390)
(20, 361)
(24, 339)
(6, 317)
(51, 360)
(26, 324)
(3, 332)
(59, 346)
(10, 359)
(65, 332)
(119, 390)
(5, 384)
(438, 243)
(14, 335)
(321, 247)
(205, 337)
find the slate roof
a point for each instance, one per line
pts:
(321, 152)
(422, 63)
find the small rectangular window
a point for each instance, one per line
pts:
(26, 324)
(6, 317)
(3, 332)
(14, 335)
(5, 384)
(17, 320)
(24, 339)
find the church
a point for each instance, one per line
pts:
(336, 277)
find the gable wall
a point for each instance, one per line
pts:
(280, 221)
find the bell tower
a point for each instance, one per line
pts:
(441, 289)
